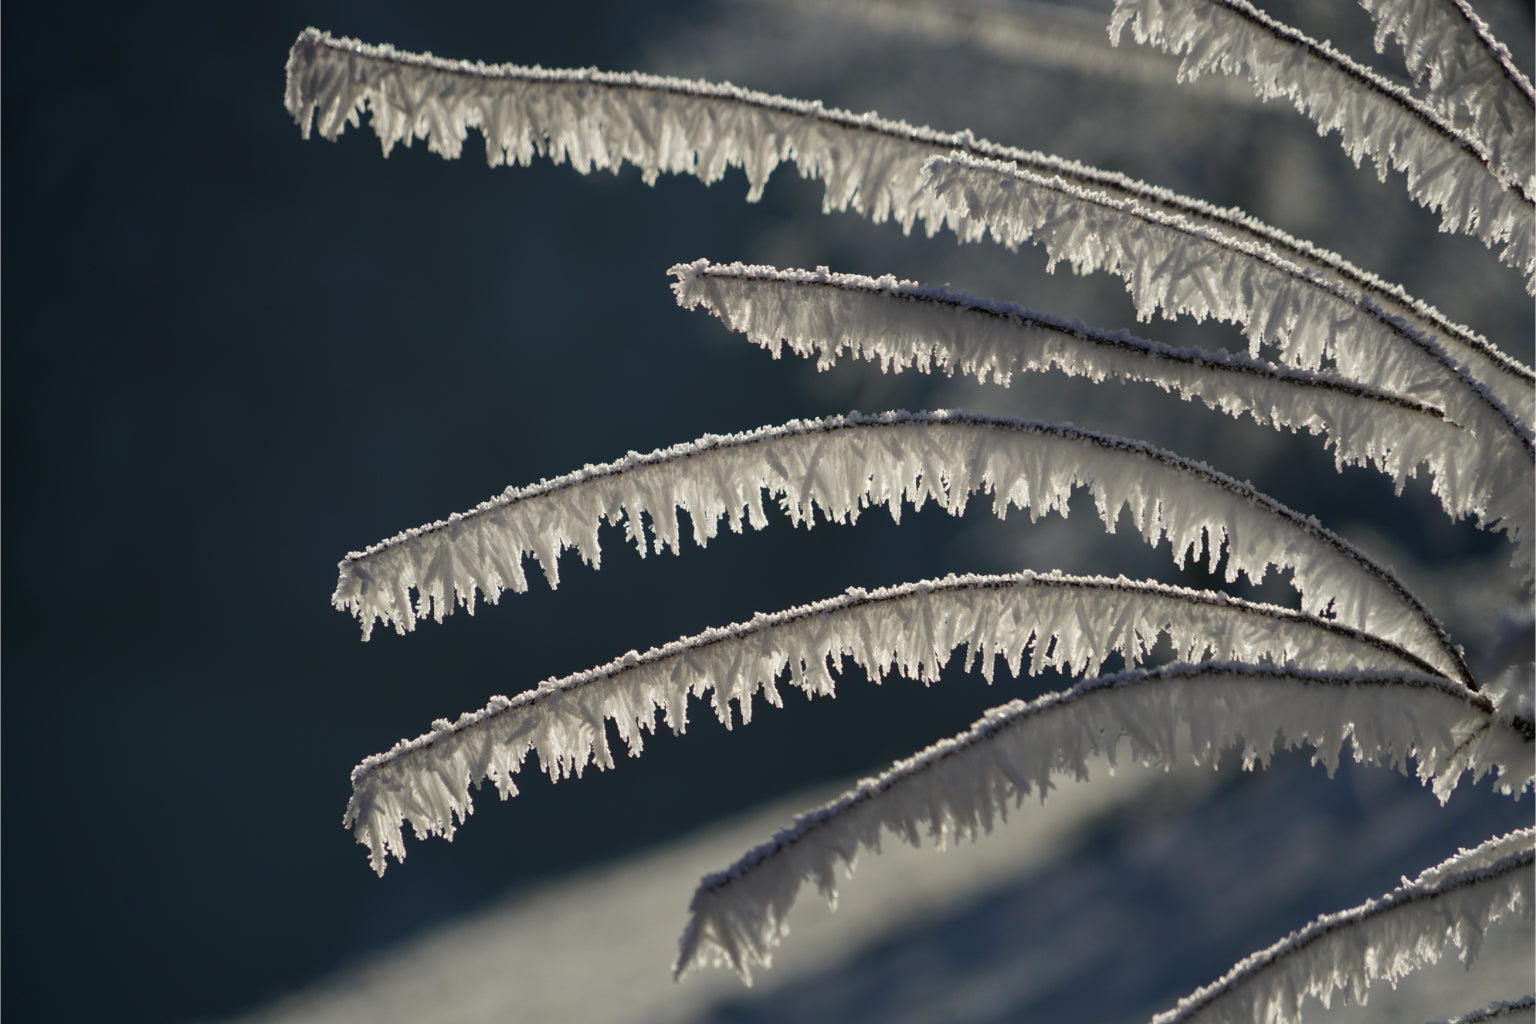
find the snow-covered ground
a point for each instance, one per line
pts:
(1102, 905)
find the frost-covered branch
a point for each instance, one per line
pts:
(1069, 623)
(901, 324)
(960, 787)
(1476, 193)
(602, 120)
(841, 465)
(1171, 265)
(1039, 34)
(1481, 856)
(1380, 940)
(1470, 77)
(1523, 1009)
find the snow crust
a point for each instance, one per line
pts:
(1173, 266)
(1383, 939)
(601, 120)
(1032, 622)
(1447, 172)
(1470, 78)
(960, 787)
(902, 324)
(841, 465)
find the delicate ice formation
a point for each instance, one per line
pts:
(601, 120)
(1383, 939)
(1172, 266)
(1031, 621)
(1381, 673)
(901, 324)
(1481, 856)
(1033, 33)
(1470, 77)
(841, 465)
(958, 788)
(1448, 172)
(1523, 1010)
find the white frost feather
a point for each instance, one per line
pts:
(1033, 622)
(1172, 265)
(1034, 33)
(901, 324)
(1523, 1009)
(601, 120)
(1480, 856)
(958, 788)
(1383, 939)
(843, 464)
(1470, 76)
(1448, 172)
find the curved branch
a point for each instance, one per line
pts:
(1380, 940)
(1172, 265)
(842, 464)
(901, 324)
(1470, 76)
(1451, 174)
(599, 120)
(958, 788)
(1035, 33)
(1520, 1009)
(1068, 623)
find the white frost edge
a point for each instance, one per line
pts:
(843, 464)
(1488, 852)
(1447, 172)
(1381, 940)
(1469, 75)
(1033, 622)
(960, 787)
(1171, 265)
(598, 120)
(1037, 34)
(901, 324)
(1523, 1008)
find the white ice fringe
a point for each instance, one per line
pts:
(1380, 940)
(1033, 622)
(1447, 172)
(1037, 34)
(901, 324)
(1481, 856)
(1469, 75)
(1523, 1009)
(960, 787)
(843, 464)
(1172, 265)
(601, 120)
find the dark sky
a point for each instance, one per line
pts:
(230, 357)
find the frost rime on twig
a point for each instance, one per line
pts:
(1038, 34)
(1032, 622)
(1173, 266)
(901, 324)
(961, 787)
(601, 120)
(1519, 1010)
(1380, 940)
(1470, 77)
(1446, 171)
(841, 465)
